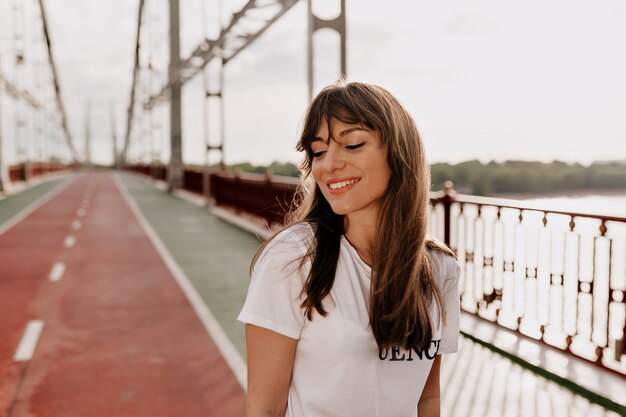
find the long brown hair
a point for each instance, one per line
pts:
(402, 284)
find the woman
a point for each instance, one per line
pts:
(350, 307)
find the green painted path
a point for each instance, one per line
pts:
(213, 254)
(14, 203)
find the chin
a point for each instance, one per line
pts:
(340, 211)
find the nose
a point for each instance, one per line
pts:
(333, 159)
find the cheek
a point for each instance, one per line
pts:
(382, 174)
(316, 171)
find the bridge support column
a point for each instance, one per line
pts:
(3, 176)
(337, 24)
(175, 171)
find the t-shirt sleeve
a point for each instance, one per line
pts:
(450, 294)
(273, 300)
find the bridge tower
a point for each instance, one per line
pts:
(337, 24)
(175, 170)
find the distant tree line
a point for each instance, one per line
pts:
(276, 168)
(529, 177)
(474, 177)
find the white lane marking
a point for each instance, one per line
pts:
(84, 204)
(210, 323)
(21, 215)
(27, 345)
(69, 241)
(56, 273)
(81, 212)
(76, 224)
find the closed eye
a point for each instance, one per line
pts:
(355, 146)
(319, 154)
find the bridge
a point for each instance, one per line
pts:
(120, 287)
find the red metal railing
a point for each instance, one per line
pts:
(17, 173)
(554, 276)
(264, 196)
(158, 172)
(20, 172)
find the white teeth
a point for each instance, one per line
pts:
(341, 184)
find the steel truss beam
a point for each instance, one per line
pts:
(57, 88)
(233, 39)
(16, 93)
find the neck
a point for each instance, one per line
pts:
(361, 233)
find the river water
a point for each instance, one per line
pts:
(609, 204)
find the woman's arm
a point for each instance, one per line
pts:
(429, 404)
(270, 362)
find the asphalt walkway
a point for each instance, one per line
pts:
(114, 333)
(142, 322)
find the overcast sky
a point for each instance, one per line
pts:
(534, 80)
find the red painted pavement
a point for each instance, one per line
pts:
(120, 338)
(27, 252)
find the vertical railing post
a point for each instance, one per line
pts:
(620, 345)
(447, 200)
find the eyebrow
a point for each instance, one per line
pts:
(342, 133)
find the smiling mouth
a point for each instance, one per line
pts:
(342, 184)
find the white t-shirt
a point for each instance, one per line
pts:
(338, 368)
